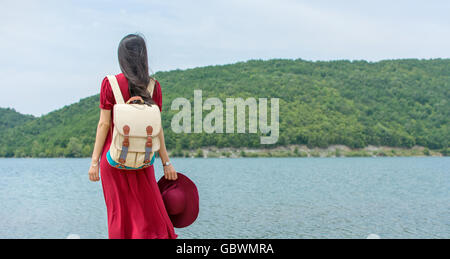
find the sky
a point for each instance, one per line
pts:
(53, 53)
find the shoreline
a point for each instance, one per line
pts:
(296, 151)
(303, 151)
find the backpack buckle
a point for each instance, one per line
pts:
(125, 145)
(148, 145)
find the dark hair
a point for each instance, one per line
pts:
(133, 62)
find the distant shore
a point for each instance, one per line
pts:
(300, 151)
(304, 151)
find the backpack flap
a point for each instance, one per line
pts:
(137, 117)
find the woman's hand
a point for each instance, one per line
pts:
(93, 173)
(170, 173)
(102, 131)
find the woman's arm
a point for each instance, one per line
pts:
(169, 170)
(102, 131)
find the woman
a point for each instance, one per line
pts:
(133, 201)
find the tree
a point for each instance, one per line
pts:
(74, 148)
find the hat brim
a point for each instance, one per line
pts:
(190, 213)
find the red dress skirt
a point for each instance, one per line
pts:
(133, 201)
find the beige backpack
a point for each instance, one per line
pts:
(136, 131)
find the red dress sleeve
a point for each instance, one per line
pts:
(157, 95)
(106, 95)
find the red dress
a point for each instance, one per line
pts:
(133, 201)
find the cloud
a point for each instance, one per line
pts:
(53, 53)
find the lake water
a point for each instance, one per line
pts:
(245, 198)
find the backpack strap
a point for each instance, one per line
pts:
(151, 86)
(116, 89)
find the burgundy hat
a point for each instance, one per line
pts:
(181, 200)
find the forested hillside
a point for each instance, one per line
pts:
(9, 118)
(399, 103)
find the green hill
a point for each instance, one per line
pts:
(398, 103)
(9, 118)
